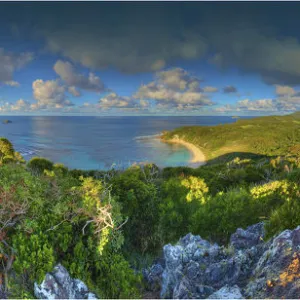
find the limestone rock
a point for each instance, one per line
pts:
(251, 236)
(59, 285)
(249, 267)
(227, 292)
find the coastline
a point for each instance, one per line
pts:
(198, 158)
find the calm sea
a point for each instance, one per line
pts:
(100, 142)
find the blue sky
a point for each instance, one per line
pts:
(149, 58)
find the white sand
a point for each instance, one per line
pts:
(198, 157)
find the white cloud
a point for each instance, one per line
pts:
(177, 79)
(284, 90)
(18, 106)
(280, 104)
(246, 105)
(174, 88)
(113, 100)
(74, 79)
(49, 94)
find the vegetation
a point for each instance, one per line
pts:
(272, 136)
(104, 226)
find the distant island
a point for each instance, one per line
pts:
(6, 121)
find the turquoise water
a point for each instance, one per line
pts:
(100, 142)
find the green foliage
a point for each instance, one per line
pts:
(61, 168)
(8, 154)
(222, 214)
(64, 220)
(38, 165)
(263, 135)
(180, 198)
(118, 280)
(139, 203)
(34, 255)
(6, 148)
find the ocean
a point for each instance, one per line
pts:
(101, 142)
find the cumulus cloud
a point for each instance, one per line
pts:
(229, 89)
(246, 105)
(18, 106)
(75, 80)
(284, 90)
(50, 94)
(113, 100)
(178, 79)
(287, 100)
(174, 88)
(11, 62)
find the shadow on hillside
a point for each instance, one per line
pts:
(232, 155)
(222, 159)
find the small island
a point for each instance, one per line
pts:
(6, 121)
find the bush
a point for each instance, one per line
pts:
(139, 200)
(38, 165)
(116, 279)
(222, 214)
(60, 168)
(180, 198)
(8, 154)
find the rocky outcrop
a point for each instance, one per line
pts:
(247, 268)
(227, 292)
(59, 285)
(277, 273)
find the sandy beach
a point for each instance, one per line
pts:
(198, 158)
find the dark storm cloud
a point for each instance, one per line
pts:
(260, 37)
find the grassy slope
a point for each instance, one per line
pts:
(272, 135)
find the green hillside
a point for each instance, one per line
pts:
(274, 135)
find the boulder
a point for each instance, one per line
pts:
(227, 292)
(153, 277)
(59, 285)
(251, 236)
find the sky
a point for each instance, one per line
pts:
(149, 58)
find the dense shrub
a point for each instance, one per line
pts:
(180, 198)
(38, 165)
(139, 200)
(222, 214)
(8, 154)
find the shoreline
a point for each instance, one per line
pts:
(198, 158)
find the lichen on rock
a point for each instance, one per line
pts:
(59, 285)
